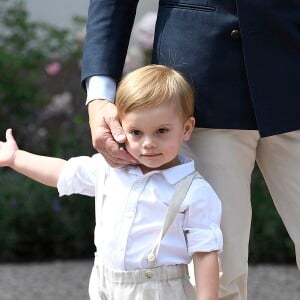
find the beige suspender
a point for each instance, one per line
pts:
(180, 192)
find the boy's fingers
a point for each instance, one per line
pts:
(8, 134)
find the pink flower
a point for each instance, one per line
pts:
(134, 59)
(53, 68)
(144, 31)
(80, 35)
(60, 104)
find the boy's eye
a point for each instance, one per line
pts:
(162, 130)
(135, 132)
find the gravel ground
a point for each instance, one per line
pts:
(69, 281)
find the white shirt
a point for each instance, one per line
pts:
(134, 208)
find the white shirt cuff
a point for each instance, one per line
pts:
(100, 87)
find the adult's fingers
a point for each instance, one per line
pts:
(115, 155)
(107, 133)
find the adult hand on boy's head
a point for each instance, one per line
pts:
(107, 133)
(8, 150)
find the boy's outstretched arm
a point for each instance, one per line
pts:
(43, 169)
(206, 275)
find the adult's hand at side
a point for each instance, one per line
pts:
(107, 133)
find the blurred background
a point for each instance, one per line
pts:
(42, 100)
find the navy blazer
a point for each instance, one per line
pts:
(241, 56)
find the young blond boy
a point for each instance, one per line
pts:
(155, 106)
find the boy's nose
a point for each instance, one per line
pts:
(149, 143)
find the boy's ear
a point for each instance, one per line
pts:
(188, 128)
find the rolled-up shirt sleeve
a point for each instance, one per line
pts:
(202, 220)
(79, 175)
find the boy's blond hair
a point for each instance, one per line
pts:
(154, 85)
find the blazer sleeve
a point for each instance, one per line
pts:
(108, 31)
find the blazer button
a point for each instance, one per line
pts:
(235, 34)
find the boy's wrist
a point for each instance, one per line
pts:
(13, 164)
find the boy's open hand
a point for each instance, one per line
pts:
(8, 150)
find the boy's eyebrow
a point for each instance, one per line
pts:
(165, 124)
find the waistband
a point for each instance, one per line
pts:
(161, 273)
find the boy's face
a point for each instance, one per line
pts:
(154, 136)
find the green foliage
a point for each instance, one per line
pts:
(34, 223)
(25, 48)
(269, 240)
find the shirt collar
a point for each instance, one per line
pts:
(171, 175)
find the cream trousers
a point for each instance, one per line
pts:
(226, 158)
(165, 282)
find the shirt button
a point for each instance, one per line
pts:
(149, 274)
(151, 257)
(137, 185)
(235, 34)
